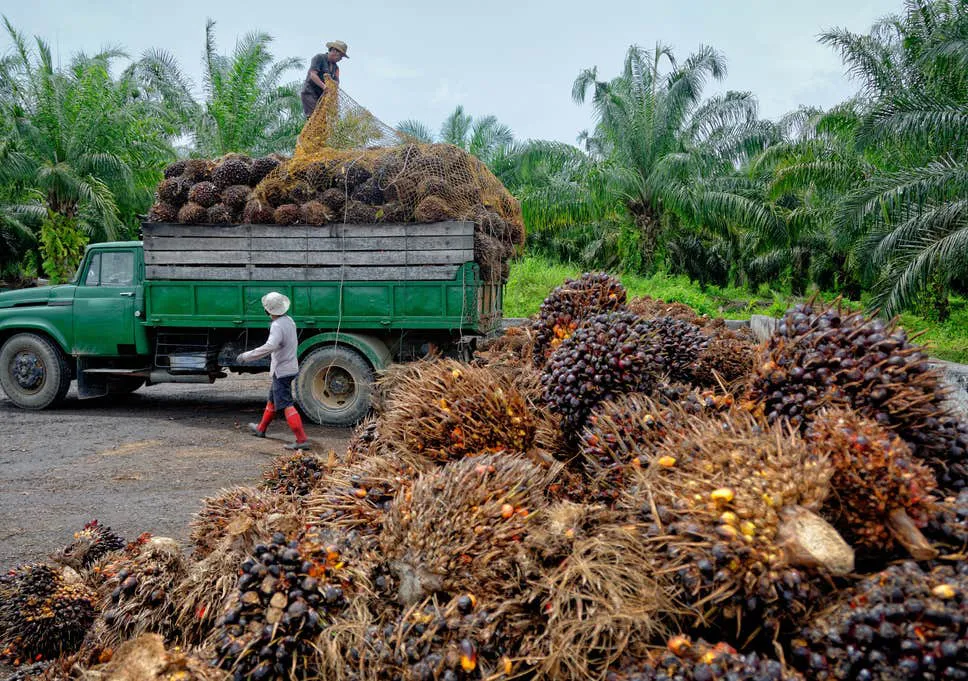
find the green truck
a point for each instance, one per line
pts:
(181, 304)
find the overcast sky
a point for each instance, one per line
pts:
(514, 59)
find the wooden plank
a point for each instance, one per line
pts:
(167, 229)
(392, 243)
(335, 273)
(448, 228)
(278, 244)
(198, 272)
(451, 257)
(185, 243)
(197, 257)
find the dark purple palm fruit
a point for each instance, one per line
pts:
(204, 194)
(571, 303)
(175, 169)
(261, 167)
(902, 623)
(231, 171)
(822, 356)
(610, 355)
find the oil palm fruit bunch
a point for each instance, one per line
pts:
(288, 592)
(146, 659)
(162, 212)
(459, 639)
(610, 355)
(650, 308)
(232, 170)
(211, 582)
(192, 214)
(566, 307)
(448, 410)
(44, 612)
(882, 493)
(90, 545)
(286, 214)
(295, 474)
(680, 343)
(230, 507)
(175, 169)
(948, 524)
(204, 194)
(174, 191)
(902, 623)
(198, 170)
(821, 356)
(600, 597)
(359, 495)
(685, 660)
(137, 594)
(260, 168)
(727, 358)
(460, 528)
(731, 510)
(622, 435)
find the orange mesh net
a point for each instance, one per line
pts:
(349, 167)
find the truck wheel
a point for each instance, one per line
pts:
(334, 386)
(34, 373)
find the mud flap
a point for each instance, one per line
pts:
(90, 385)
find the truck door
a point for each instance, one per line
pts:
(104, 305)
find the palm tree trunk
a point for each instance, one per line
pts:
(939, 299)
(801, 265)
(649, 226)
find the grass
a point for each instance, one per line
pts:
(532, 279)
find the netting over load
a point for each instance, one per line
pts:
(348, 167)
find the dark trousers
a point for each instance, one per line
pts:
(309, 100)
(280, 394)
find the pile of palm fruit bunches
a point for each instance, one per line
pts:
(620, 490)
(405, 184)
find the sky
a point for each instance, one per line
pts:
(516, 60)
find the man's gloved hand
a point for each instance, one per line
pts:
(240, 359)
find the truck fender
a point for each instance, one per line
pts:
(371, 347)
(13, 326)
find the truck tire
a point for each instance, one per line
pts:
(334, 386)
(34, 373)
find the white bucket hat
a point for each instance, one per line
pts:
(275, 303)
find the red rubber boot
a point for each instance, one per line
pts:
(295, 422)
(259, 429)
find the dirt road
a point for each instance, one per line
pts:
(141, 463)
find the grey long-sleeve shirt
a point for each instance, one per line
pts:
(281, 345)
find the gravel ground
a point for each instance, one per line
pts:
(138, 463)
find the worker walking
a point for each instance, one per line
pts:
(283, 369)
(323, 66)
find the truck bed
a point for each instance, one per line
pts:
(390, 277)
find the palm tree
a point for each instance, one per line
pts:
(83, 149)
(912, 215)
(668, 155)
(484, 137)
(248, 108)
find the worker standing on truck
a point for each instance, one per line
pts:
(322, 66)
(283, 368)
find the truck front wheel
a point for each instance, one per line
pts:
(334, 386)
(34, 373)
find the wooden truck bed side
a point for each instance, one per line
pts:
(409, 276)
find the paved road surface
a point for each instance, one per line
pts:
(140, 463)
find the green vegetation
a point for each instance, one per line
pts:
(533, 278)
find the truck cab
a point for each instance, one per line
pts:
(114, 331)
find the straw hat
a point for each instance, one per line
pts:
(275, 303)
(339, 45)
